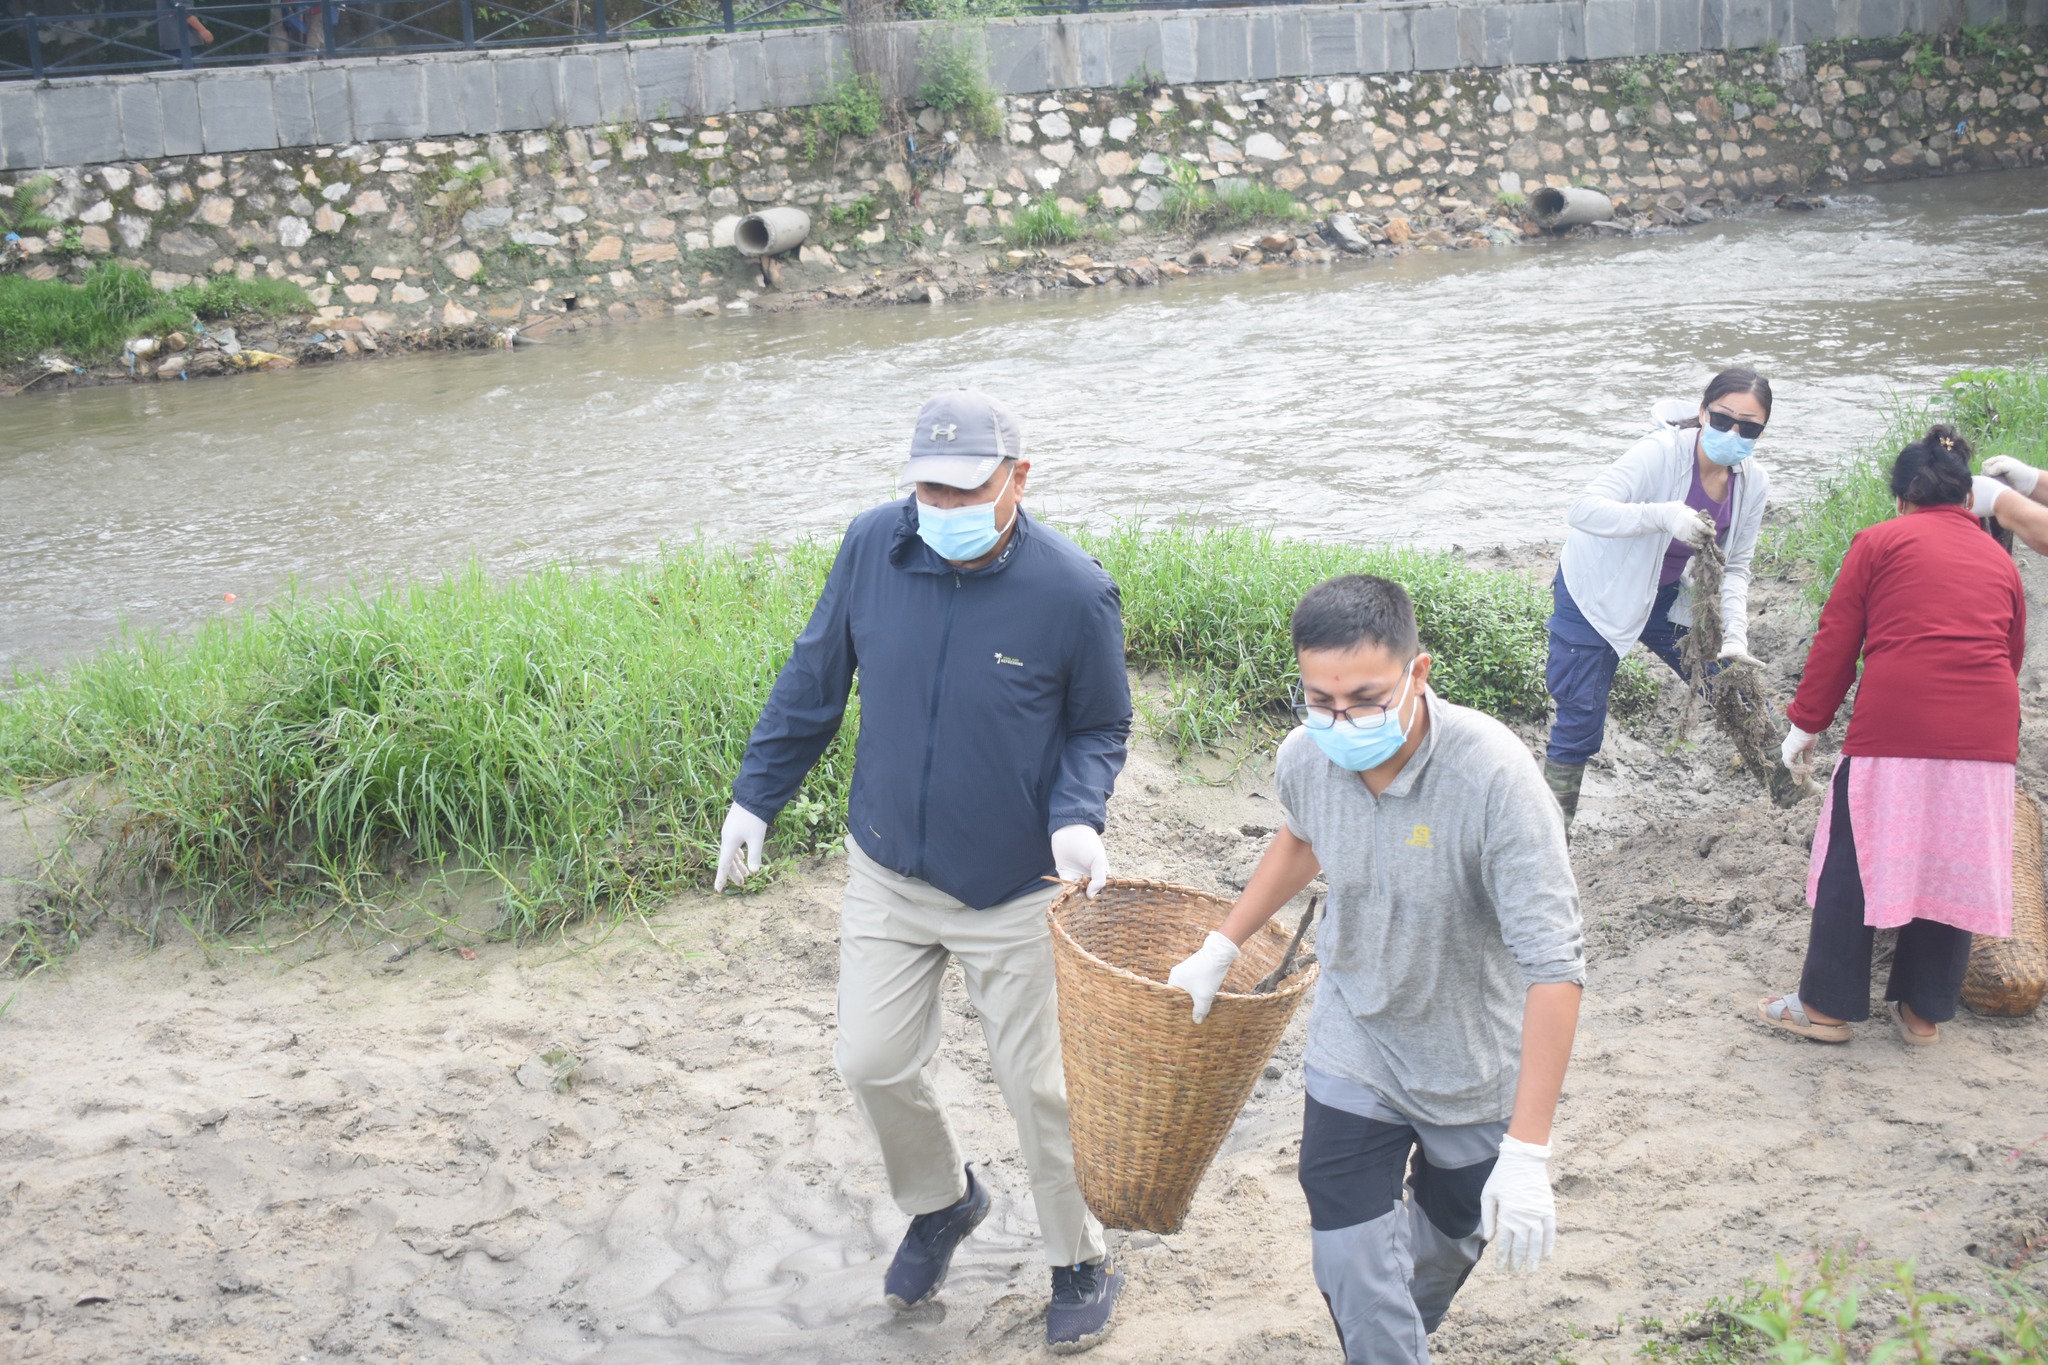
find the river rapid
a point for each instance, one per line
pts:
(1439, 399)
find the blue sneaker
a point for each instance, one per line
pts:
(1083, 1301)
(919, 1270)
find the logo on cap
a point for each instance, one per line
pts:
(949, 431)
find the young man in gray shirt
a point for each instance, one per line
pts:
(1451, 973)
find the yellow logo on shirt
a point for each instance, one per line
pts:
(1420, 838)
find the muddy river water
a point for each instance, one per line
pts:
(1437, 399)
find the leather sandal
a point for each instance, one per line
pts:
(1785, 1012)
(1912, 1039)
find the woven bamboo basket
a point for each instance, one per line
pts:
(1150, 1093)
(2010, 975)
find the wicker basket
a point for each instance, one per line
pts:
(1150, 1093)
(2010, 975)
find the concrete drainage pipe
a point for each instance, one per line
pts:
(1555, 208)
(771, 232)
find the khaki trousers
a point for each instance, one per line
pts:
(895, 934)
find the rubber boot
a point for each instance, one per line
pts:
(1565, 780)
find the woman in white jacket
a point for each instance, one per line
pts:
(1622, 577)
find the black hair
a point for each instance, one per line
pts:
(1355, 609)
(1741, 379)
(1934, 471)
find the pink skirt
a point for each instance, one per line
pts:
(1933, 841)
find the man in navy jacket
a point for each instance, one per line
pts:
(993, 719)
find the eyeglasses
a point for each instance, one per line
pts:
(1365, 716)
(1721, 421)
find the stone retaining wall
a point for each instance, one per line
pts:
(533, 230)
(89, 120)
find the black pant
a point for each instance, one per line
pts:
(1927, 965)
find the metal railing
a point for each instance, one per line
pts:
(178, 34)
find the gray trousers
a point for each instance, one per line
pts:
(1394, 1217)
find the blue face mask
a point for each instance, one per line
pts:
(962, 533)
(1725, 447)
(1356, 748)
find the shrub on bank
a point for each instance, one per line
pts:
(2002, 412)
(577, 734)
(94, 319)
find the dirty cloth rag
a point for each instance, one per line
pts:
(1933, 842)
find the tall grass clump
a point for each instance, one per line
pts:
(93, 319)
(2002, 412)
(1209, 609)
(1045, 223)
(1193, 208)
(575, 735)
(952, 64)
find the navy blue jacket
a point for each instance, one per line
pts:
(994, 708)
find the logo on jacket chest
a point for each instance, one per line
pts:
(1007, 661)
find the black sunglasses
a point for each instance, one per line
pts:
(1748, 431)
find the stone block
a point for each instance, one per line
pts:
(1497, 44)
(1265, 45)
(1813, 21)
(389, 101)
(1135, 48)
(1714, 25)
(1678, 25)
(1471, 35)
(665, 81)
(798, 66)
(526, 94)
(576, 89)
(1749, 23)
(291, 105)
(1372, 41)
(1975, 12)
(21, 127)
(142, 118)
(333, 124)
(1400, 46)
(1332, 42)
(236, 113)
(1223, 46)
(1062, 53)
(1177, 40)
(179, 97)
(615, 85)
(1091, 51)
(1882, 18)
(1434, 33)
(1610, 29)
(1571, 31)
(1646, 26)
(714, 77)
(1533, 33)
(750, 88)
(81, 126)
(1290, 39)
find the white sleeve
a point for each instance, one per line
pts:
(1623, 500)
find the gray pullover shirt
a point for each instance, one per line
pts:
(1451, 893)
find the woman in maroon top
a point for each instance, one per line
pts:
(1916, 832)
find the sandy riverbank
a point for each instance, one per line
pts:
(324, 1151)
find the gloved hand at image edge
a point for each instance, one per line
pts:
(1689, 524)
(2021, 476)
(1077, 853)
(1517, 1211)
(1984, 493)
(1201, 975)
(1797, 751)
(744, 832)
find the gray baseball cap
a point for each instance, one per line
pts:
(961, 436)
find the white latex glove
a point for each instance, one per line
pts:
(1689, 524)
(1737, 652)
(1984, 495)
(1797, 751)
(1516, 1207)
(1076, 853)
(743, 830)
(1202, 975)
(2021, 476)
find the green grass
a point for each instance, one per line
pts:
(1045, 223)
(575, 736)
(2001, 412)
(1194, 208)
(94, 319)
(952, 65)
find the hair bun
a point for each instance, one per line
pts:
(1943, 437)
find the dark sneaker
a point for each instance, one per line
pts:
(1083, 1301)
(919, 1270)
